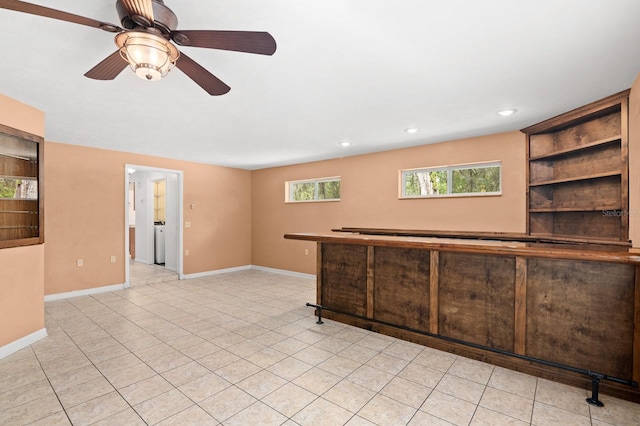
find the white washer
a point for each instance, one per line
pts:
(159, 244)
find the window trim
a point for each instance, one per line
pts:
(289, 184)
(449, 170)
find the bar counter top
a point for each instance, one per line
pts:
(592, 252)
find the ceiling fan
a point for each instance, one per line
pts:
(145, 41)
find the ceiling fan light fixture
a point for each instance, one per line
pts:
(149, 55)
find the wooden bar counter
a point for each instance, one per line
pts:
(521, 305)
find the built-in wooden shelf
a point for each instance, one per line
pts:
(21, 161)
(573, 209)
(578, 168)
(16, 227)
(577, 149)
(577, 178)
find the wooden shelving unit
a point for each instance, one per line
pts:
(578, 173)
(21, 217)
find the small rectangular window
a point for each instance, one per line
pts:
(18, 188)
(460, 180)
(324, 189)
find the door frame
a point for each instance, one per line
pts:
(179, 251)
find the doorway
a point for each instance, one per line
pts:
(153, 222)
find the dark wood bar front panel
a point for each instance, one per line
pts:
(401, 287)
(581, 314)
(344, 278)
(492, 301)
(476, 295)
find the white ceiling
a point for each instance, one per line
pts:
(354, 70)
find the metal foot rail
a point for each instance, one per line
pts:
(319, 309)
(595, 377)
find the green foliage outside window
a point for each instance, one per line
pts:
(18, 188)
(425, 183)
(8, 187)
(303, 191)
(329, 190)
(480, 179)
(314, 190)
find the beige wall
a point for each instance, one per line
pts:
(370, 198)
(85, 215)
(22, 268)
(634, 163)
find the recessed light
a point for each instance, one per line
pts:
(345, 144)
(411, 130)
(507, 112)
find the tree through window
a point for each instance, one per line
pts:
(477, 179)
(325, 189)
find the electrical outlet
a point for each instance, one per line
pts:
(186, 252)
(79, 262)
(113, 259)
(187, 224)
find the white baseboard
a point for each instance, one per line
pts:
(22, 343)
(86, 292)
(216, 272)
(96, 290)
(246, 268)
(283, 272)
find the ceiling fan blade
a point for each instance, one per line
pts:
(142, 8)
(238, 41)
(109, 68)
(203, 78)
(34, 9)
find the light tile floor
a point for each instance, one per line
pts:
(142, 274)
(243, 349)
